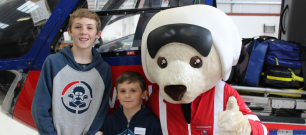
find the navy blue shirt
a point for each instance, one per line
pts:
(117, 124)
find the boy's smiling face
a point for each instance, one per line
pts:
(130, 95)
(84, 32)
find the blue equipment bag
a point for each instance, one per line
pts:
(249, 72)
(257, 52)
(283, 66)
(283, 53)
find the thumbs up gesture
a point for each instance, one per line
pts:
(232, 121)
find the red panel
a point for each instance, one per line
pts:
(31, 82)
(130, 52)
(274, 126)
(22, 111)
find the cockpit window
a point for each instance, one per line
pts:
(123, 32)
(118, 35)
(20, 23)
(122, 29)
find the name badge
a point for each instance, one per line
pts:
(139, 130)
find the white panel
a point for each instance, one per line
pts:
(301, 105)
(280, 103)
(251, 26)
(250, 8)
(274, 9)
(225, 7)
(284, 132)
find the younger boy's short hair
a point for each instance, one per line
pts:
(132, 77)
(83, 12)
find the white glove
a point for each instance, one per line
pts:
(99, 133)
(232, 121)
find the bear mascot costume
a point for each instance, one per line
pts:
(189, 52)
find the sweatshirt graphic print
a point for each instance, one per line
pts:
(78, 99)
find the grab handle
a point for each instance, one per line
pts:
(281, 19)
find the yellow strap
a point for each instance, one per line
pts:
(295, 77)
(279, 78)
(276, 61)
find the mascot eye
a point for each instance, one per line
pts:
(162, 62)
(196, 62)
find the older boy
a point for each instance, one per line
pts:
(72, 92)
(131, 118)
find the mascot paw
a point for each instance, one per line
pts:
(232, 121)
(99, 133)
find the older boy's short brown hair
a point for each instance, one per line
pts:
(132, 77)
(83, 12)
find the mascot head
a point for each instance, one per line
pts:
(188, 50)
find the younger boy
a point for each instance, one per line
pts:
(131, 118)
(73, 89)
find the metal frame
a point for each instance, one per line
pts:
(7, 103)
(267, 90)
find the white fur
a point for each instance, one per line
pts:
(180, 72)
(225, 34)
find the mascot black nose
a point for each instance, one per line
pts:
(176, 92)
